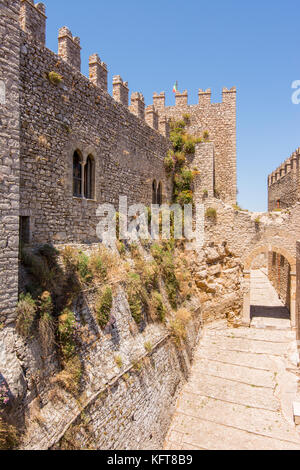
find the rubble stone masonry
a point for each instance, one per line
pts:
(9, 157)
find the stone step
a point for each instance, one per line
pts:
(264, 422)
(273, 336)
(252, 360)
(231, 391)
(265, 323)
(196, 433)
(245, 345)
(260, 378)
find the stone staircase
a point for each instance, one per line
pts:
(242, 384)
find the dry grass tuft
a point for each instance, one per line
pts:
(9, 437)
(178, 325)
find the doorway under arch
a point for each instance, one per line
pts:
(280, 271)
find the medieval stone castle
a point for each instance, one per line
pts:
(72, 146)
(68, 146)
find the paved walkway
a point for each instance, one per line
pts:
(241, 387)
(267, 310)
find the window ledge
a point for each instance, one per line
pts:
(79, 198)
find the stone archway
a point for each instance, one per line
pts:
(269, 248)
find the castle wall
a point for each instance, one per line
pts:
(284, 184)
(56, 120)
(204, 162)
(9, 158)
(127, 406)
(279, 272)
(298, 293)
(219, 119)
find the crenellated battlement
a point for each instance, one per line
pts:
(181, 99)
(80, 147)
(159, 100)
(218, 120)
(137, 106)
(204, 98)
(33, 20)
(69, 48)
(120, 90)
(152, 117)
(290, 164)
(284, 183)
(98, 72)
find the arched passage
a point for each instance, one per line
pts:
(285, 263)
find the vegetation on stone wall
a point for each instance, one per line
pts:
(55, 78)
(26, 313)
(211, 213)
(9, 437)
(183, 146)
(69, 378)
(164, 255)
(179, 323)
(161, 282)
(136, 296)
(46, 323)
(158, 306)
(103, 307)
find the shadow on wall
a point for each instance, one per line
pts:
(270, 312)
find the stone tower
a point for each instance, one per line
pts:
(9, 157)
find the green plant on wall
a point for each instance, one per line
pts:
(158, 305)
(55, 78)
(183, 146)
(26, 313)
(136, 296)
(211, 213)
(103, 307)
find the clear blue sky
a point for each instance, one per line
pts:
(253, 45)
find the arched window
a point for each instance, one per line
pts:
(77, 175)
(89, 178)
(159, 194)
(154, 192)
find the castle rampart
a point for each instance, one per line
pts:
(98, 72)
(59, 119)
(33, 20)
(69, 48)
(284, 183)
(138, 105)
(151, 117)
(80, 147)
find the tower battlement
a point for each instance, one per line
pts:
(219, 120)
(204, 98)
(290, 164)
(120, 90)
(33, 20)
(69, 48)
(138, 105)
(284, 183)
(98, 71)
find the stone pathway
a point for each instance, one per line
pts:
(267, 310)
(241, 387)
